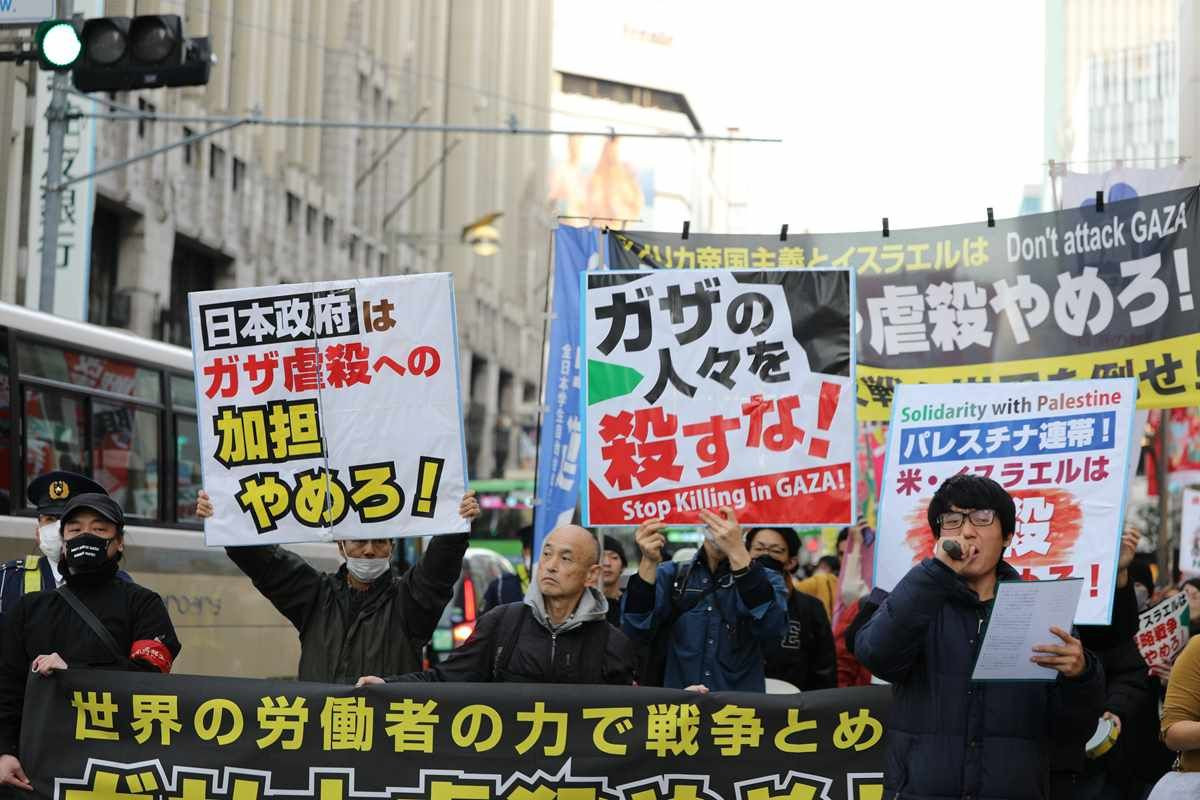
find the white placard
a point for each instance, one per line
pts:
(1060, 448)
(1189, 533)
(356, 380)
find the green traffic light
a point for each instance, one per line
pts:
(58, 44)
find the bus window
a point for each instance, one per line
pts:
(92, 372)
(125, 455)
(183, 392)
(187, 468)
(54, 428)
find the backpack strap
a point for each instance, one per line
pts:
(508, 632)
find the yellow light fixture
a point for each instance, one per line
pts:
(482, 236)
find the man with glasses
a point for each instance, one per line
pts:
(805, 656)
(948, 736)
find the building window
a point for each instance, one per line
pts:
(216, 162)
(189, 149)
(239, 173)
(327, 230)
(192, 270)
(293, 208)
(144, 124)
(310, 220)
(353, 247)
(102, 282)
(370, 256)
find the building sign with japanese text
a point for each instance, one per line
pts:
(713, 389)
(1163, 630)
(1060, 450)
(1074, 294)
(330, 410)
(98, 735)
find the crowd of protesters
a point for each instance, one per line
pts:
(740, 614)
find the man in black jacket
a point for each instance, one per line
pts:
(47, 631)
(558, 634)
(949, 736)
(805, 657)
(365, 617)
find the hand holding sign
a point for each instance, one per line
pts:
(651, 542)
(727, 536)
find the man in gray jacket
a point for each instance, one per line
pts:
(558, 634)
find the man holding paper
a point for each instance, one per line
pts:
(949, 736)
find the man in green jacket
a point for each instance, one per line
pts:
(364, 619)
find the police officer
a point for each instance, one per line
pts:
(50, 494)
(95, 620)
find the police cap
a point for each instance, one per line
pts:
(51, 492)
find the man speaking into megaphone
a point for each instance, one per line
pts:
(949, 736)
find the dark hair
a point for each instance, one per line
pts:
(843, 535)
(972, 492)
(525, 534)
(833, 562)
(1139, 572)
(611, 545)
(1192, 582)
(790, 537)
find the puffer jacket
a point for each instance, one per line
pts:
(947, 736)
(345, 633)
(517, 643)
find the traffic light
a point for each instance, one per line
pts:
(58, 44)
(123, 54)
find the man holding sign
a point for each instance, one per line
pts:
(364, 619)
(332, 411)
(949, 736)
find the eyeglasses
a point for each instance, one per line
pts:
(953, 520)
(778, 550)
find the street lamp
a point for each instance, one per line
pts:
(482, 236)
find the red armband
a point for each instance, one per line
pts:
(152, 652)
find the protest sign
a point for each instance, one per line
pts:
(1189, 533)
(330, 409)
(1163, 630)
(561, 443)
(1059, 448)
(1072, 294)
(93, 735)
(713, 389)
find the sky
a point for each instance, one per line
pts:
(923, 111)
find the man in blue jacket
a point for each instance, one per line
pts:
(948, 736)
(717, 611)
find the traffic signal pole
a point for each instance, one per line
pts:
(56, 127)
(56, 117)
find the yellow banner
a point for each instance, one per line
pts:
(1166, 371)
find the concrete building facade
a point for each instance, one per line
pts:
(267, 204)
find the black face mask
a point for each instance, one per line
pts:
(770, 562)
(87, 553)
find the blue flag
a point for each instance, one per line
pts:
(561, 441)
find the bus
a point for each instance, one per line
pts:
(122, 409)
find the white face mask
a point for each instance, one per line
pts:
(50, 542)
(367, 569)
